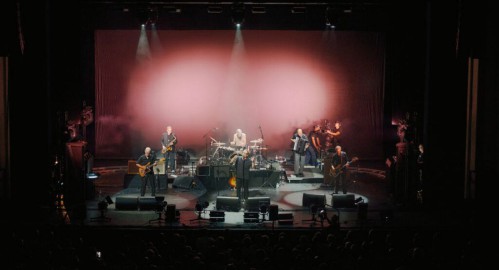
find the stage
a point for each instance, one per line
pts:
(277, 200)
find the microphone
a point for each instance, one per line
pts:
(215, 128)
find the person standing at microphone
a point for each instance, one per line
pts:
(168, 143)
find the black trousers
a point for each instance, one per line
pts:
(148, 178)
(242, 187)
(340, 181)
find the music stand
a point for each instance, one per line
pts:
(314, 208)
(200, 209)
(266, 179)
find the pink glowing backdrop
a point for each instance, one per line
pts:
(213, 82)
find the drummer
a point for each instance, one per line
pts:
(239, 140)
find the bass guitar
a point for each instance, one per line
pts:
(144, 169)
(335, 171)
(169, 146)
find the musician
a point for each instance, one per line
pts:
(145, 163)
(313, 152)
(300, 145)
(239, 140)
(334, 134)
(243, 164)
(339, 162)
(168, 142)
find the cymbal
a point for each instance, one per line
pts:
(257, 141)
(218, 143)
(254, 147)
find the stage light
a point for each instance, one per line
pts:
(238, 15)
(322, 214)
(92, 175)
(331, 17)
(109, 200)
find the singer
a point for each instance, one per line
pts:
(300, 145)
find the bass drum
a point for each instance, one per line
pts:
(183, 157)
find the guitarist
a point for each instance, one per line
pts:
(145, 163)
(169, 141)
(339, 161)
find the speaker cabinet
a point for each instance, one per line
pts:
(343, 201)
(318, 200)
(132, 167)
(254, 203)
(229, 204)
(251, 217)
(285, 218)
(147, 203)
(126, 203)
(217, 216)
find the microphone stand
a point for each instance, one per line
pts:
(261, 136)
(205, 136)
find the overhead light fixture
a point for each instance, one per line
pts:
(215, 9)
(92, 175)
(172, 9)
(331, 17)
(258, 10)
(358, 200)
(238, 15)
(298, 10)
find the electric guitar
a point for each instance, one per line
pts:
(232, 181)
(334, 172)
(143, 169)
(168, 147)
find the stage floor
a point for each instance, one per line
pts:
(217, 207)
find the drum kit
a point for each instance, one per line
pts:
(226, 155)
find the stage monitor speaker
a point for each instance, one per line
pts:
(183, 181)
(273, 212)
(217, 216)
(285, 218)
(254, 203)
(343, 201)
(147, 203)
(318, 200)
(126, 203)
(230, 204)
(251, 217)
